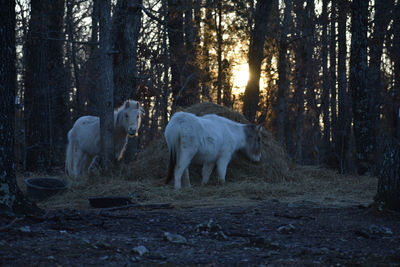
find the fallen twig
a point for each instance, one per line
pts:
(296, 217)
(2, 229)
(139, 206)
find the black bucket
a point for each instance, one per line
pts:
(109, 201)
(42, 188)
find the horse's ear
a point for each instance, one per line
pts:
(127, 103)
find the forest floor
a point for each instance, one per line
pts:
(300, 228)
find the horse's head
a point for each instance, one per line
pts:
(253, 142)
(130, 116)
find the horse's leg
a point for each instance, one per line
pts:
(206, 172)
(222, 164)
(186, 179)
(84, 164)
(94, 165)
(183, 160)
(179, 169)
(78, 157)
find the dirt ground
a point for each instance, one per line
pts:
(268, 232)
(271, 213)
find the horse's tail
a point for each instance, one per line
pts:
(69, 156)
(172, 163)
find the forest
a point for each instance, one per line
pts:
(321, 76)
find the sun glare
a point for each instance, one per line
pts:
(240, 75)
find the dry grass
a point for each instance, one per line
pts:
(308, 184)
(273, 178)
(152, 163)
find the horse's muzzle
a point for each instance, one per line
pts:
(132, 133)
(256, 158)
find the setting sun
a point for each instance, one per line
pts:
(240, 77)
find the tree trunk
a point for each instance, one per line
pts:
(388, 191)
(325, 80)
(389, 177)
(166, 91)
(302, 69)
(190, 93)
(363, 126)
(89, 95)
(74, 72)
(381, 21)
(125, 32)
(332, 70)
(11, 198)
(282, 71)
(207, 36)
(396, 62)
(342, 144)
(125, 35)
(37, 112)
(176, 48)
(256, 55)
(300, 109)
(58, 88)
(218, 30)
(107, 86)
(313, 110)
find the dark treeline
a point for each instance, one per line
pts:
(330, 70)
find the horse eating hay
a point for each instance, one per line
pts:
(84, 137)
(209, 140)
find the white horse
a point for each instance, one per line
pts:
(84, 137)
(209, 140)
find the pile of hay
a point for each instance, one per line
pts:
(245, 181)
(152, 163)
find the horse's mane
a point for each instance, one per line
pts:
(131, 102)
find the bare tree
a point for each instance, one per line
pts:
(325, 76)
(256, 55)
(207, 35)
(313, 111)
(36, 82)
(300, 78)
(342, 132)
(176, 48)
(363, 128)
(125, 31)
(388, 192)
(166, 91)
(381, 20)
(190, 94)
(89, 95)
(332, 70)
(107, 86)
(218, 31)
(282, 71)
(71, 55)
(11, 198)
(58, 88)
(396, 58)
(38, 110)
